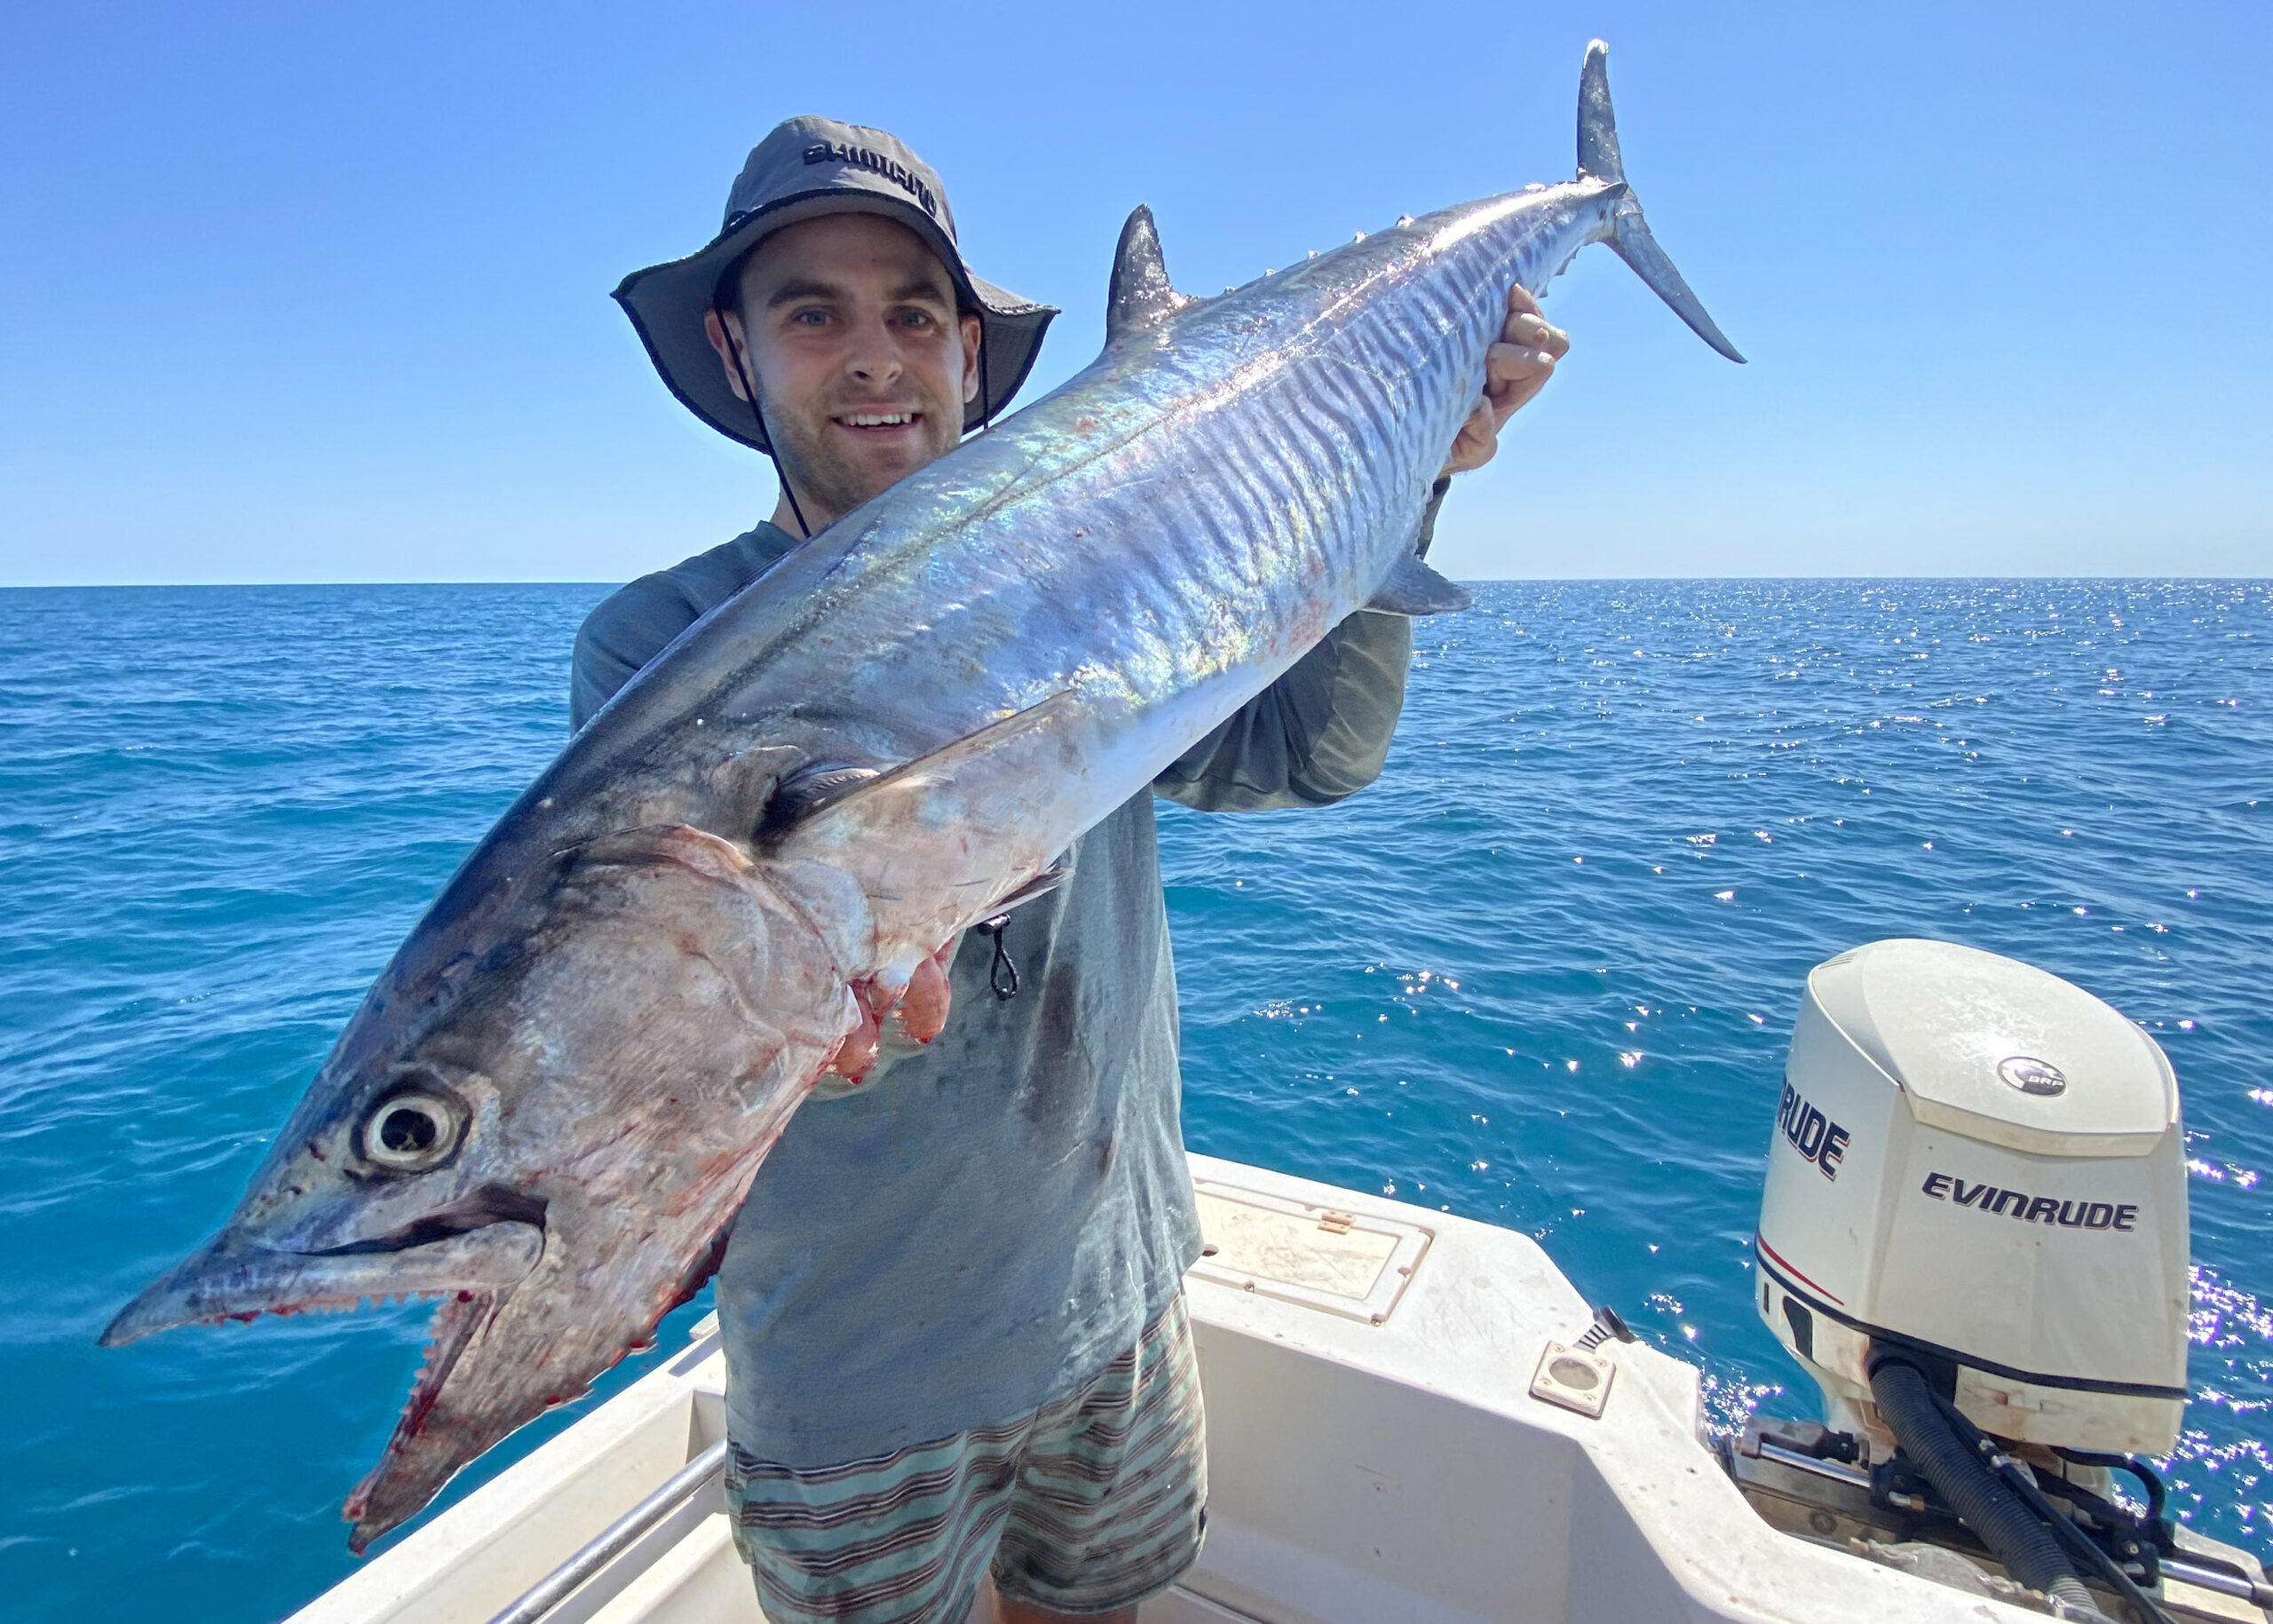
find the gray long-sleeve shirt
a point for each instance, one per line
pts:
(989, 1220)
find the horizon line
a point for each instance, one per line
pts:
(134, 586)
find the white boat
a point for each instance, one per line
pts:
(1412, 1418)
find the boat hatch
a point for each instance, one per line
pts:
(1356, 1265)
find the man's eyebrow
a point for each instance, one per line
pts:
(790, 292)
(925, 287)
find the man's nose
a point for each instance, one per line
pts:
(873, 357)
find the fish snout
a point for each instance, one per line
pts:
(230, 1279)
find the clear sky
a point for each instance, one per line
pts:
(293, 292)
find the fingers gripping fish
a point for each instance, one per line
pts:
(548, 1107)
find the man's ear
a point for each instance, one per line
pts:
(974, 333)
(715, 328)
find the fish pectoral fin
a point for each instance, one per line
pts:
(1141, 295)
(889, 800)
(1049, 880)
(801, 794)
(1412, 588)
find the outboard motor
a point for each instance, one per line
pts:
(1981, 1164)
(1974, 1238)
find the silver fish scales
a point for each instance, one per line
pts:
(549, 1106)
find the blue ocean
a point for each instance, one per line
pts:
(1542, 975)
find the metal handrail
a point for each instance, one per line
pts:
(617, 1538)
(2256, 1594)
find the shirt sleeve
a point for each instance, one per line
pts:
(1319, 733)
(629, 627)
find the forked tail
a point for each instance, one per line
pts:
(1630, 238)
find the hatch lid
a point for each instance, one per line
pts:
(1338, 1261)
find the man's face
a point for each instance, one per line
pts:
(848, 324)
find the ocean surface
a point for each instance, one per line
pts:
(1542, 975)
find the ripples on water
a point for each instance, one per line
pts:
(1543, 974)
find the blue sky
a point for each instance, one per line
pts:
(303, 293)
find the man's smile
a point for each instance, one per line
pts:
(877, 423)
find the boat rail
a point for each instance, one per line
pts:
(618, 1537)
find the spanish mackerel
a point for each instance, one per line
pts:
(547, 1110)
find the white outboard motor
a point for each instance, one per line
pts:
(1980, 1165)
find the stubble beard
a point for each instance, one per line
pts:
(825, 482)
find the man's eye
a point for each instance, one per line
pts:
(811, 318)
(916, 318)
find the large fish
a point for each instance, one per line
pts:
(548, 1107)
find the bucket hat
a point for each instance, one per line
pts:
(804, 168)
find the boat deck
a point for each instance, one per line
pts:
(1387, 1441)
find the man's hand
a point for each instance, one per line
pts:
(1514, 369)
(921, 1007)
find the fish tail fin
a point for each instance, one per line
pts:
(1599, 159)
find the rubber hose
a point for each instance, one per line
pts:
(2029, 1551)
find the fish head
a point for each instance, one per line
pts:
(544, 1116)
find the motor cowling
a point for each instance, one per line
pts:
(1978, 1161)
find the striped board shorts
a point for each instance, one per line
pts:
(1090, 1504)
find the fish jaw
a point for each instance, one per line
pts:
(231, 1278)
(495, 1361)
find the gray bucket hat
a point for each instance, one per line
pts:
(808, 167)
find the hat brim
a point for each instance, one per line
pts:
(666, 304)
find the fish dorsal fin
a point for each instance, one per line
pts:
(1412, 588)
(889, 800)
(1141, 296)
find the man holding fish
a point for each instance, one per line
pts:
(952, 1303)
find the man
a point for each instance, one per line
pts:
(952, 1305)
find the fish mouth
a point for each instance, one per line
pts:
(483, 1245)
(469, 1254)
(484, 1208)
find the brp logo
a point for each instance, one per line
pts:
(2031, 1076)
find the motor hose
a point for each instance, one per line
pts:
(2029, 1549)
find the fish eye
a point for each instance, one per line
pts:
(411, 1131)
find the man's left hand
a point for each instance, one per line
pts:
(1514, 369)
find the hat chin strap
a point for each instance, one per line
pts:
(749, 394)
